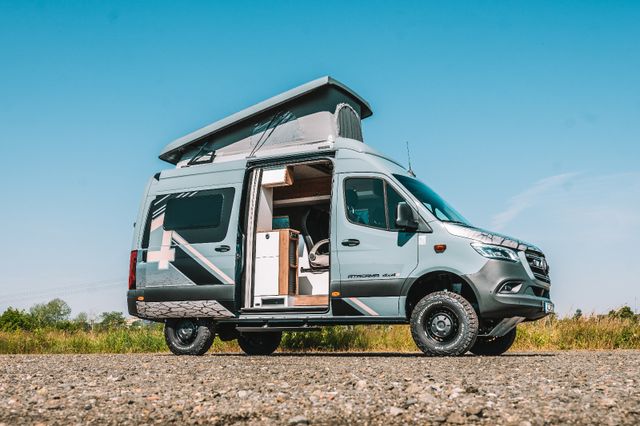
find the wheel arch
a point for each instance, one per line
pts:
(438, 280)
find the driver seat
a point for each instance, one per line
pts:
(315, 231)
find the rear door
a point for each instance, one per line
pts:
(375, 257)
(191, 231)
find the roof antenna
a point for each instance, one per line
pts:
(410, 171)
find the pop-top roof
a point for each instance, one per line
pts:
(309, 97)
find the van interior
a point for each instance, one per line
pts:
(288, 226)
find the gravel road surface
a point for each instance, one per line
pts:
(380, 389)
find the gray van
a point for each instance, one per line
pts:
(279, 218)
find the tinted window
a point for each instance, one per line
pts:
(393, 198)
(192, 213)
(364, 201)
(199, 217)
(432, 201)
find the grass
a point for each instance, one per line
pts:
(590, 333)
(59, 342)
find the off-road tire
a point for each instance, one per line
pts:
(494, 346)
(464, 324)
(198, 344)
(259, 343)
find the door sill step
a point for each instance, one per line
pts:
(275, 329)
(292, 309)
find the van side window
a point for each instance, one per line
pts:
(193, 213)
(364, 199)
(365, 203)
(198, 217)
(393, 198)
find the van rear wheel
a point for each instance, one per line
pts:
(189, 336)
(444, 324)
(260, 343)
(494, 346)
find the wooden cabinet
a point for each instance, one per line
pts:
(288, 276)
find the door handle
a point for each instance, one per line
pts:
(222, 249)
(351, 242)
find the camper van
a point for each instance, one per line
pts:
(280, 218)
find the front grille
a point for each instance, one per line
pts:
(537, 291)
(538, 265)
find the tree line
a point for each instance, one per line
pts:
(56, 314)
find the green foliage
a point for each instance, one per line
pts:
(112, 321)
(43, 341)
(26, 332)
(81, 322)
(51, 314)
(590, 333)
(55, 315)
(352, 338)
(624, 312)
(327, 339)
(14, 319)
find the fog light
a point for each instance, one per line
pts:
(510, 288)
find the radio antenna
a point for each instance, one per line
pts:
(410, 171)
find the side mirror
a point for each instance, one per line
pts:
(405, 218)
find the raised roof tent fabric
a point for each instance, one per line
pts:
(310, 100)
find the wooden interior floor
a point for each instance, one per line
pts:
(311, 300)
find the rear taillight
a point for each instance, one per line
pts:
(133, 260)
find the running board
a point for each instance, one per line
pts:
(292, 309)
(505, 326)
(268, 329)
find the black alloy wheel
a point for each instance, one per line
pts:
(189, 336)
(444, 324)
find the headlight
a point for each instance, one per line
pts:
(496, 252)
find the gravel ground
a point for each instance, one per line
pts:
(519, 389)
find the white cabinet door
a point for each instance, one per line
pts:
(267, 245)
(266, 276)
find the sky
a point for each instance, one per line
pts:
(524, 115)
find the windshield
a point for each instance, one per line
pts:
(432, 201)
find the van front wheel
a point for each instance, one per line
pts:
(188, 336)
(260, 343)
(444, 324)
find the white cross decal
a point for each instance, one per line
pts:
(165, 255)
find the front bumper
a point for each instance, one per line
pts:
(532, 301)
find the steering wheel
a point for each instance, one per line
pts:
(319, 259)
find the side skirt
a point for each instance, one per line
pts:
(300, 322)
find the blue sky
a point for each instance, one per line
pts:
(524, 115)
